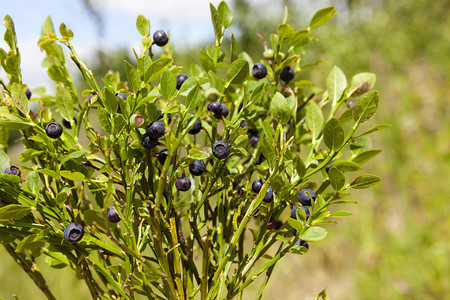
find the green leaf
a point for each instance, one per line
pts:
(217, 22)
(198, 155)
(104, 118)
(314, 234)
(341, 213)
(300, 38)
(47, 27)
(14, 211)
(333, 134)
(373, 129)
(268, 130)
(48, 172)
(57, 73)
(72, 175)
(300, 166)
(268, 151)
(206, 61)
(225, 13)
(73, 155)
(94, 217)
(366, 107)
(360, 145)
(361, 83)
(322, 16)
(61, 198)
(4, 161)
(19, 99)
(234, 49)
(109, 100)
(285, 31)
(143, 25)
(364, 156)
(296, 224)
(337, 178)
(57, 260)
(64, 102)
(365, 181)
(257, 94)
(12, 121)
(33, 181)
(346, 165)
(29, 243)
(133, 77)
(193, 97)
(168, 85)
(10, 33)
(156, 68)
(314, 119)
(238, 71)
(336, 85)
(279, 107)
(346, 116)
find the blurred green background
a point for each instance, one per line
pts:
(397, 245)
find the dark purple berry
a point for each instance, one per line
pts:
(53, 130)
(268, 197)
(73, 233)
(197, 127)
(349, 103)
(287, 74)
(257, 185)
(183, 183)
(160, 38)
(302, 243)
(243, 124)
(161, 115)
(220, 149)
(305, 195)
(260, 160)
(13, 170)
(197, 167)
(66, 123)
(28, 93)
(271, 224)
(112, 215)
(259, 71)
(162, 155)
(121, 95)
(215, 108)
(294, 212)
(149, 142)
(254, 139)
(156, 129)
(225, 111)
(278, 225)
(181, 78)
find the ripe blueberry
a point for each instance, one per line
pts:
(112, 215)
(53, 130)
(215, 107)
(66, 123)
(243, 124)
(304, 197)
(302, 243)
(160, 38)
(278, 225)
(197, 167)
(259, 71)
(272, 224)
(156, 129)
(224, 113)
(121, 95)
(268, 197)
(28, 93)
(294, 212)
(161, 115)
(257, 185)
(197, 127)
(287, 74)
(73, 232)
(13, 170)
(181, 78)
(162, 155)
(260, 160)
(149, 142)
(183, 183)
(220, 149)
(254, 139)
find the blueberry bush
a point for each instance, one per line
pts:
(179, 183)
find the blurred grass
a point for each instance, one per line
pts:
(397, 245)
